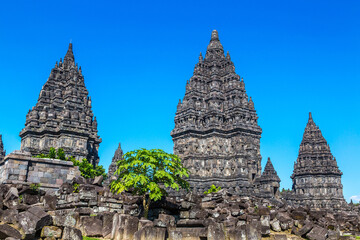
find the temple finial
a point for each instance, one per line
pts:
(200, 57)
(69, 57)
(228, 55)
(214, 35)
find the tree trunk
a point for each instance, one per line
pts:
(146, 205)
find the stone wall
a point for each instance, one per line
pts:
(19, 167)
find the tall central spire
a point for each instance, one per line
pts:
(216, 131)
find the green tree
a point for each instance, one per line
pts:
(149, 172)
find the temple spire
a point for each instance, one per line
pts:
(2, 151)
(215, 50)
(69, 56)
(269, 171)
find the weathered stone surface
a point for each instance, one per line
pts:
(305, 229)
(107, 223)
(33, 220)
(215, 123)
(275, 225)
(71, 234)
(9, 216)
(66, 218)
(62, 117)
(215, 232)
(50, 202)
(51, 232)
(316, 176)
(2, 150)
(124, 227)
(8, 231)
(98, 180)
(150, 233)
(317, 233)
(91, 226)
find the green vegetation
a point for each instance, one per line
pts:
(89, 238)
(87, 169)
(59, 154)
(35, 187)
(76, 188)
(212, 189)
(148, 173)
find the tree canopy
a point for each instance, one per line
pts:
(149, 172)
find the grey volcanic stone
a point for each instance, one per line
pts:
(33, 220)
(216, 130)
(62, 117)
(71, 234)
(150, 233)
(8, 231)
(316, 176)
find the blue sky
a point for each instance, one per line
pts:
(295, 57)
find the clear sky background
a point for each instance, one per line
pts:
(136, 56)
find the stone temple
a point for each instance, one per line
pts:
(268, 184)
(118, 155)
(216, 130)
(316, 177)
(62, 116)
(2, 150)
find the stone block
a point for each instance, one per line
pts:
(91, 226)
(71, 234)
(150, 233)
(317, 233)
(124, 227)
(51, 232)
(7, 231)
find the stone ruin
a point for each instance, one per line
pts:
(92, 210)
(216, 130)
(216, 135)
(2, 149)
(62, 116)
(316, 177)
(112, 167)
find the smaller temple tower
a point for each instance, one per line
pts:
(112, 168)
(316, 177)
(269, 182)
(2, 151)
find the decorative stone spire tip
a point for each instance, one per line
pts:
(214, 35)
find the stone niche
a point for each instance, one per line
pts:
(20, 167)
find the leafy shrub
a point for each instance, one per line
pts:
(61, 154)
(87, 169)
(212, 189)
(52, 153)
(35, 187)
(76, 188)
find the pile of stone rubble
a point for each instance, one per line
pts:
(86, 208)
